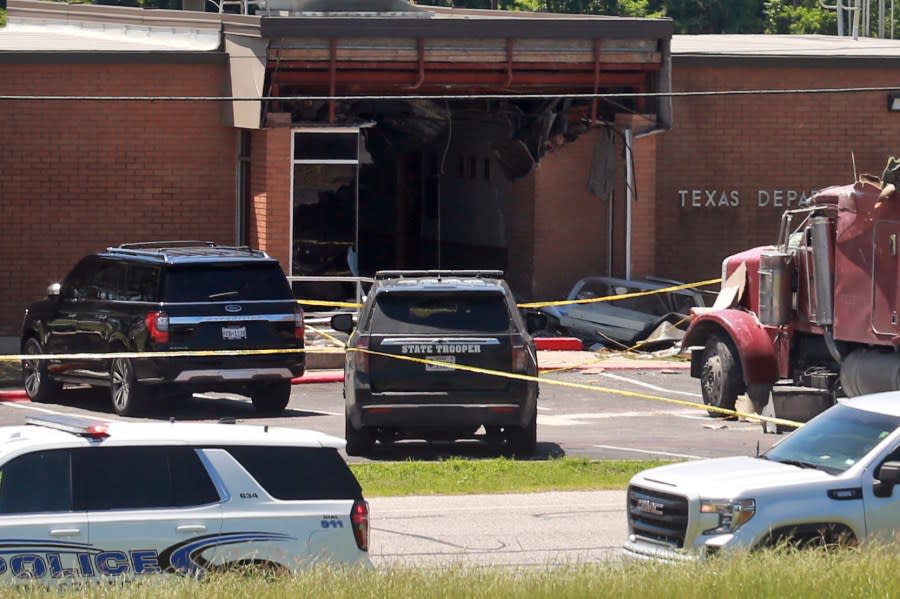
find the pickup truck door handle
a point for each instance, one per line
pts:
(65, 532)
(191, 528)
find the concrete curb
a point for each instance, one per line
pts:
(320, 376)
(558, 344)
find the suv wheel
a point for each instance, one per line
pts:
(359, 441)
(38, 385)
(128, 395)
(271, 398)
(522, 440)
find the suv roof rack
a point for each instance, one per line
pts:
(163, 244)
(82, 427)
(189, 247)
(400, 274)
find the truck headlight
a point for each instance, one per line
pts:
(733, 513)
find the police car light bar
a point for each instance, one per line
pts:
(72, 424)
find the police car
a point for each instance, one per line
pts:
(91, 500)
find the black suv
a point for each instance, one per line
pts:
(447, 318)
(168, 297)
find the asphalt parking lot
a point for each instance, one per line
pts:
(599, 413)
(629, 413)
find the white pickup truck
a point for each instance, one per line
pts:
(831, 481)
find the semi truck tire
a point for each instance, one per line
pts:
(721, 380)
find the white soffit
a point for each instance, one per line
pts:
(783, 45)
(38, 35)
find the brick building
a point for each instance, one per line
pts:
(459, 138)
(732, 163)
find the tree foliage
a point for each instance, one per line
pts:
(713, 16)
(798, 16)
(688, 16)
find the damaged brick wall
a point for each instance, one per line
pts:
(570, 223)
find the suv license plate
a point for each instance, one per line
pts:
(234, 333)
(438, 367)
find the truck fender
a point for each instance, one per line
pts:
(755, 349)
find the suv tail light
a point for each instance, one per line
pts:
(519, 354)
(158, 326)
(298, 322)
(361, 358)
(359, 519)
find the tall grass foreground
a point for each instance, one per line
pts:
(811, 574)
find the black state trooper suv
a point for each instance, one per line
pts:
(167, 297)
(401, 377)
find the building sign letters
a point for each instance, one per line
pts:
(732, 198)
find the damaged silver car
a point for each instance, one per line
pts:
(657, 319)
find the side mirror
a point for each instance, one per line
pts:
(535, 321)
(886, 477)
(342, 322)
(53, 290)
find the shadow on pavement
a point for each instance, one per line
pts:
(203, 407)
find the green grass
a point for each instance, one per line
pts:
(459, 476)
(797, 575)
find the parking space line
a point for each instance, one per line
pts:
(574, 419)
(31, 406)
(650, 452)
(619, 377)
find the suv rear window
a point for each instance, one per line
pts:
(433, 312)
(299, 473)
(237, 282)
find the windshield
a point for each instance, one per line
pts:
(835, 440)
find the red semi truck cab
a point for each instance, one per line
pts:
(813, 317)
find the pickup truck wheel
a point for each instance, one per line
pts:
(129, 397)
(359, 441)
(522, 440)
(272, 397)
(720, 378)
(37, 383)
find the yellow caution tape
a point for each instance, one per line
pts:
(584, 386)
(475, 369)
(329, 303)
(337, 342)
(610, 298)
(163, 354)
(341, 347)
